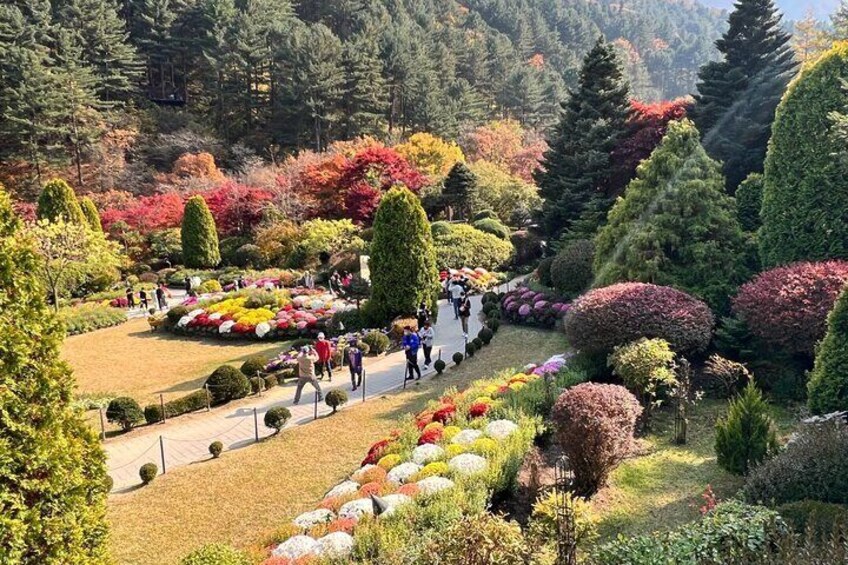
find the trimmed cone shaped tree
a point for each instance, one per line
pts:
(58, 201)
(199, 235)
(52, 469)
(403, 262)
(92, 216)
(827, 390)
(746, 436)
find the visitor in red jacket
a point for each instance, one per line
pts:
(325, 357)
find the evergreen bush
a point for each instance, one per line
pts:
(227, 383)
(470, 348)
(257, 384)
(277, 417)
(485, 215)
(543, 271)
(749, 201)
(125, 412)
(335, 398)
(492, 226)
(827, 389)
(466, 246)
(254, 365)
(57, 201)
(817, 518)
(198, 235)
(439, 366)
(571, 269)
(148, 472)
(646, 366)
(746, 436)
(486, 336)
(481, 539)
(458, 358)
(215, 554)
(92, 216)
(215, 449)
(377, 342)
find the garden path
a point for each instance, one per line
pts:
(185, 440)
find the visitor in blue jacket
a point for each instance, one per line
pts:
(411, 342)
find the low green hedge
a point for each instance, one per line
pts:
(89, 317)
(183, 405)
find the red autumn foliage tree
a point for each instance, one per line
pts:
(787, 307)
(506, 144)
(320, 182)
(147, 213)
(237, 208)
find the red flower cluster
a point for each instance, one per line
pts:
(375, 452)
(433, 435)
(444, 413)
(478, 409)
(424, 418)
(203, 321)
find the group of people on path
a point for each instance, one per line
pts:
(161, 295)
(318, 358)
(457, 292)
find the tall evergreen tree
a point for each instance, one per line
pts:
(199, 236)
(737, 96)
(59, 202)
(365, 101)
(458, 190)
(92, 216)
(52, 469)
(828, 384)
(576, 172)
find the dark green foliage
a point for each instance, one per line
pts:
(403, 262)
(737, 96)
(58, 202)
(248, 256)
(257, 384)
(459, 186)
(440, 228)
(199, 236)
(827, 389)
(819, 518)
(458, 357)
(749, 200)
(571, 269)
(192, 402)
(805, 192)
(528, 247)
(470, 348)
(277, 417)
(153, 413)
(485, 215)
(335, 398)
(486, 336)
(543, 271)
(271, 381)
(125, 412)
(466, 246)
(478, 343)
(577, 172)
(253, 366)
(227, 383)
(377, 342)
(746, 436)
(92, 216)
(675, 225)
(148, 472)
(215, 449)
(350, 320)
(439, 365)
(494, 324)
(492, 226)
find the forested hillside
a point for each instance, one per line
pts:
(109, 92)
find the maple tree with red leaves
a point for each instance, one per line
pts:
(237, 208)
(147, 213)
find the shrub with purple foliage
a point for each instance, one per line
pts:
(531, 308)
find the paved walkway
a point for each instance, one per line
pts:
(186, 439)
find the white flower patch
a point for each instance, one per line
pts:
(262, 328)
(313, 518)
(402, 473)
(184, 321)
(335, 546)
(295, 547)
(195, 313)
(501, 429)
(467, 464)
(395, 500)
(432, 485)
(427, 453)
(356, 509)
(342, 489)
(466, 437)
(226, 327)
(215, 316)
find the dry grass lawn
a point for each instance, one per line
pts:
(248, 493)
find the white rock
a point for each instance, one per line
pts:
(357, 508)
(467, 464)
(313, 518)
(336, 545)
(402, 473)
(500, 429)
(342, 489)
(427, 453)
(295, 547)
(466, 437)
(432, 485)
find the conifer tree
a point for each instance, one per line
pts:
(577, 170)
(92, 216)
(459, 189)
(746, 436)
(52, 476)
(58, 201)
(365, 100)
(737, 96)
(198, 235)
(828, 385)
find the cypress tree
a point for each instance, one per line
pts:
(403, 261)
(577, 171)
(749, 200)
(52, 469)
(746, 436)
(737, 96)
(199, 235)
(805, 194)
(92, 216)
(459, 188)
(57, 200)
(828, 385)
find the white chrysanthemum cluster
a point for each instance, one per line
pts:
(313, 518)
(295, 547)
(356, 509)
(500, 429)
(466, 437)
(342, 489)
(427, 453)
(402, 473)
(468, 464)
(432, 485)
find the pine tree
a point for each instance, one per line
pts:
(365, 99)
(577, 169)
(746, 436)
(459, 189)
(53, 476)
(92, 216)
(839, 21)
(403, 261)
(828, 385)
(198, 235)
(737, 96)
(58, 201)
(675, 225)
(749, 201)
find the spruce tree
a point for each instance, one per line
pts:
(92, 216)
(58, 201)
(576, 172)
(459, 189)
(52, 475)
(746, 435)
(365, 100)
(675, 225)
(828, 385)
(403, 261)
(749, 201)
(805, 194)
(737, 96)
(199, 235)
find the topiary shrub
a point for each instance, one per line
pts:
(253, 366)
(335, 398)
(478, 343)
(485, 336)
(198, 235)
(749, 201)
(787, 307)
(248, 256)
(175, 313)
(466, 246)
(215, 554)
(494, 227)
(594, 424)
(227, 383)
(470, 349)
(458, 358)
(485, 215)
(746, 436)
(277, 417)
(439, 228)
(257, 385)
(439, 366)
(571, 269)
(210, 286)
(92, 216)
(215, 449)
(828, 385)
(153, 413)
(378, 342)
(818, 519)
(615, 315)
(646, 367)
(125, 412)
(494, 325)
(543, 271)
(58, 201)
(528, 248)
(270, 381)
(148, 472)
(813, 466)
(482, 539)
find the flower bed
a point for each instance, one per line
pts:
(530, 308)
(479, 279)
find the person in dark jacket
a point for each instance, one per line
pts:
(464, 313)
(354, 360)
(423, 314)
(411, 342)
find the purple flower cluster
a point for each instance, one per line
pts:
(531, 308)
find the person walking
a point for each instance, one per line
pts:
(456, 292)
(130, 297)
(422, 315)
(427, 335)
(306, 372)
(464, 313)
(142, 299)
(187, 282)
(354, 361)
(160, 297)
(411, 343)
(325, 356)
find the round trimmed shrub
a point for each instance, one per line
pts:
(378, 342)
(153, 413)
(828, 385)
(605, 318)
(58, 201)
(147, 473)
(257, 385)
(175, 313)
(470, 349)
(253, 366)
(528, 247)
(571, 269)
(125, 412)
(458, 358)
(277, 417)
(485, 215)
(439, 228)
(439, 365)
(210, 286)
(215, 449)
(787, 307)
(248, 256)
(490, 297)
(494, 227)
(465, 246)
(486, 336)
(494, 325)
(227, 383)
(594, 424)
(335, 398)
(215, 554)
(478, 343)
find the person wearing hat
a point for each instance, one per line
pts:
(325, 356)
(306, 372)
(411, 342)
(354, 361)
